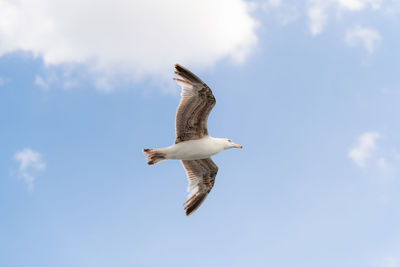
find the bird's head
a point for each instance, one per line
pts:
(229, 144)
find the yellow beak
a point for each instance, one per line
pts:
(238, 146)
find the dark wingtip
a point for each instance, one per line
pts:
(189, 212)
(187, 74)
(179, 69)
(194, 204)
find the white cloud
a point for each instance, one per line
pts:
(288, 15)
(40, 81)
(375, 4)
(366, 37)
(380, 163)
(284, 12)
(132, 37)
(356, 5)
(362, 151)
(351, 4)
(317, 16)
(272, 3)
(29, 161)
(319, 11)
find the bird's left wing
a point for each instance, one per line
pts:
(197, 101)
(201, 175)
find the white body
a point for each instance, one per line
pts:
(196, 149)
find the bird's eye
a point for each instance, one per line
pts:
(229, 140)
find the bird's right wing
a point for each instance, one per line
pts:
(201, 175)
(197, 101)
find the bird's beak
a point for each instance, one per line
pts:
(238, 146)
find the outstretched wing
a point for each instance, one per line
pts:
(197, 101)
(201, 175)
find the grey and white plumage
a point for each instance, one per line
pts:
(193, 145)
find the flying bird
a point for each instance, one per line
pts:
(193, 145)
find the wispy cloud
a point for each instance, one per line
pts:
(356, 5)
(319, 11)
(42, 82)
(366, 37)
(282, 11)
(29, 161)
(272, 3)
(380, 163)
(351, 4)
(317, 16)
(131, 37)
(361, 152)
(51, 77)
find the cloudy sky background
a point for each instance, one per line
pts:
(311, 89)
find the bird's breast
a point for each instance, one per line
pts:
(193, 149)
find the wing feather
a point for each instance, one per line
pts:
(201, 175)
(197, 101)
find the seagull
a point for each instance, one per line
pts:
(193, 145)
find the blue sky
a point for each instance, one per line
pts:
(309, 88)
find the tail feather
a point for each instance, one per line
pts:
(154, 156)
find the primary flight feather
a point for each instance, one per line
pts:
(193, 145)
